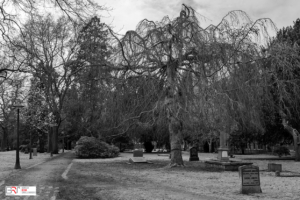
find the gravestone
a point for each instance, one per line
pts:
(137, 157)
(34, 151)
(250, 179)
(223, 150)
(273, 167)
(138, 153)
(194, 154)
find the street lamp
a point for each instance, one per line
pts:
(17, 165)
(30, 149)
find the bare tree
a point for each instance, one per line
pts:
(10, 93)
(14, 13)
(48, 50)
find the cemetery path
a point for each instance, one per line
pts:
(45, 176)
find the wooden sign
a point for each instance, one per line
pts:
(250, 179)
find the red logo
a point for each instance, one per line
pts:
(14, 189)
(10, 190)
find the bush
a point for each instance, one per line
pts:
(90, 147)
(282, 150)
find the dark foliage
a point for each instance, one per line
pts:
(90, 147)
(148, 146)
(282, 150)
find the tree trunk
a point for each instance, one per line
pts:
(296, 138)
(173, 110)
(69, 144)
(243, 149)
(4, 139)
(41, 143)
(175, 141)
(55, 140)
(49, 150)
(210, 145)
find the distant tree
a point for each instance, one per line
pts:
(11, 92)
(37, 113)
(93, 80)
(47, 48)
(282, 73)
(14, 13)
(290, 34)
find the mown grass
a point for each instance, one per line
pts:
(92, 174)
(75, 190)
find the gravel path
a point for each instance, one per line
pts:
(8, 160)
(44, 176)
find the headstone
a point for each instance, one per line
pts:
(34, 151)
(138, 153)
(249, 175)
(223, 154)
(223, 150)
(137, 157)
(273, 167)
(194, 154)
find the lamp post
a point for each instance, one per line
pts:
(30, 148)
(17, 165)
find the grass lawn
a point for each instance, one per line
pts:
(116, 179)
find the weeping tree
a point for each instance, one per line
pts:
(282, 87)
(183, 54)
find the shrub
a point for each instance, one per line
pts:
(90, 147)
(282, 150)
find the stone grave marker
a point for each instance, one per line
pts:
(249, 175)
(194, 154)
(273, 167)
(34, 151)
(138, 153)
(138, 157)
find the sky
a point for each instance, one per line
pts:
(125, 14)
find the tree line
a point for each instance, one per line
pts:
(169, 81)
